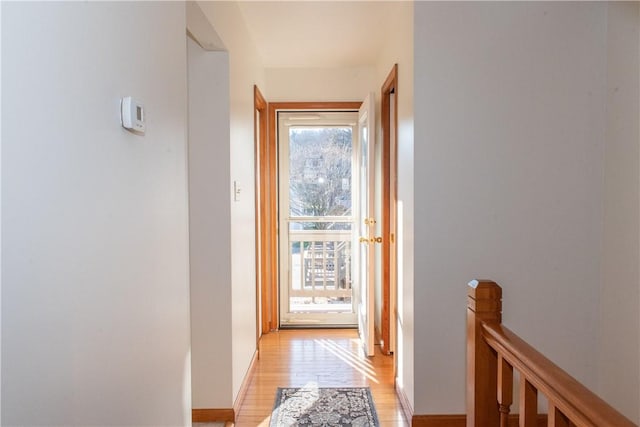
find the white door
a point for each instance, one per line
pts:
(366, 224)
(316, 170)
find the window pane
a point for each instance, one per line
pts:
(320, 171)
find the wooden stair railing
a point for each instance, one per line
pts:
(493, 352)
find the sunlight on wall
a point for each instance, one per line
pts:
(400, 300)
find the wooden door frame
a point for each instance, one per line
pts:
(389, 200)
(269, 201)
(261, 211)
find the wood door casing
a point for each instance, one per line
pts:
(266, 200)
(269, 198)
(262, 215)
(389, 119)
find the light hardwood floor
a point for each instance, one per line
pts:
(322, 358)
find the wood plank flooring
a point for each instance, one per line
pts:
(323, 358)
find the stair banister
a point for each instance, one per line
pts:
(493, 352)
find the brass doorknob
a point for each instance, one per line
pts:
(371, 239)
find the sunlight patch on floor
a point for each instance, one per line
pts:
(362, 366)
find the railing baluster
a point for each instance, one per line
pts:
(505, 390)
(324, 266)
(303, 266)
(347, 264)
(313, 270)
(528, 403)
(336, 265)
(556, 418)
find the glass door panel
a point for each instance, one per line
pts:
(316, 197)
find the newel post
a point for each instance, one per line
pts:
(484, 304)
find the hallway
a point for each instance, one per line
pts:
(326, 358)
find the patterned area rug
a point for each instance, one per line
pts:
(324, 407)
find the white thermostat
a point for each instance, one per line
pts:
(132, 114)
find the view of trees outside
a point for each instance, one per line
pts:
(320, 173)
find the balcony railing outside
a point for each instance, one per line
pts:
(320, 265)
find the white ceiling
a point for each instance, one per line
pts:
(312, 34)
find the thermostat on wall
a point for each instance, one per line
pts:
(132, 114)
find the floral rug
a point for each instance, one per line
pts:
(342, 406)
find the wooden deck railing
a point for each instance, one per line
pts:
(493, 352)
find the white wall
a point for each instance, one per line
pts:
(510, 107)
(200, 29)
(619, 352)
(209, 228)
(95, 295)
(245, 70)
(399, 49)
(320, 84)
